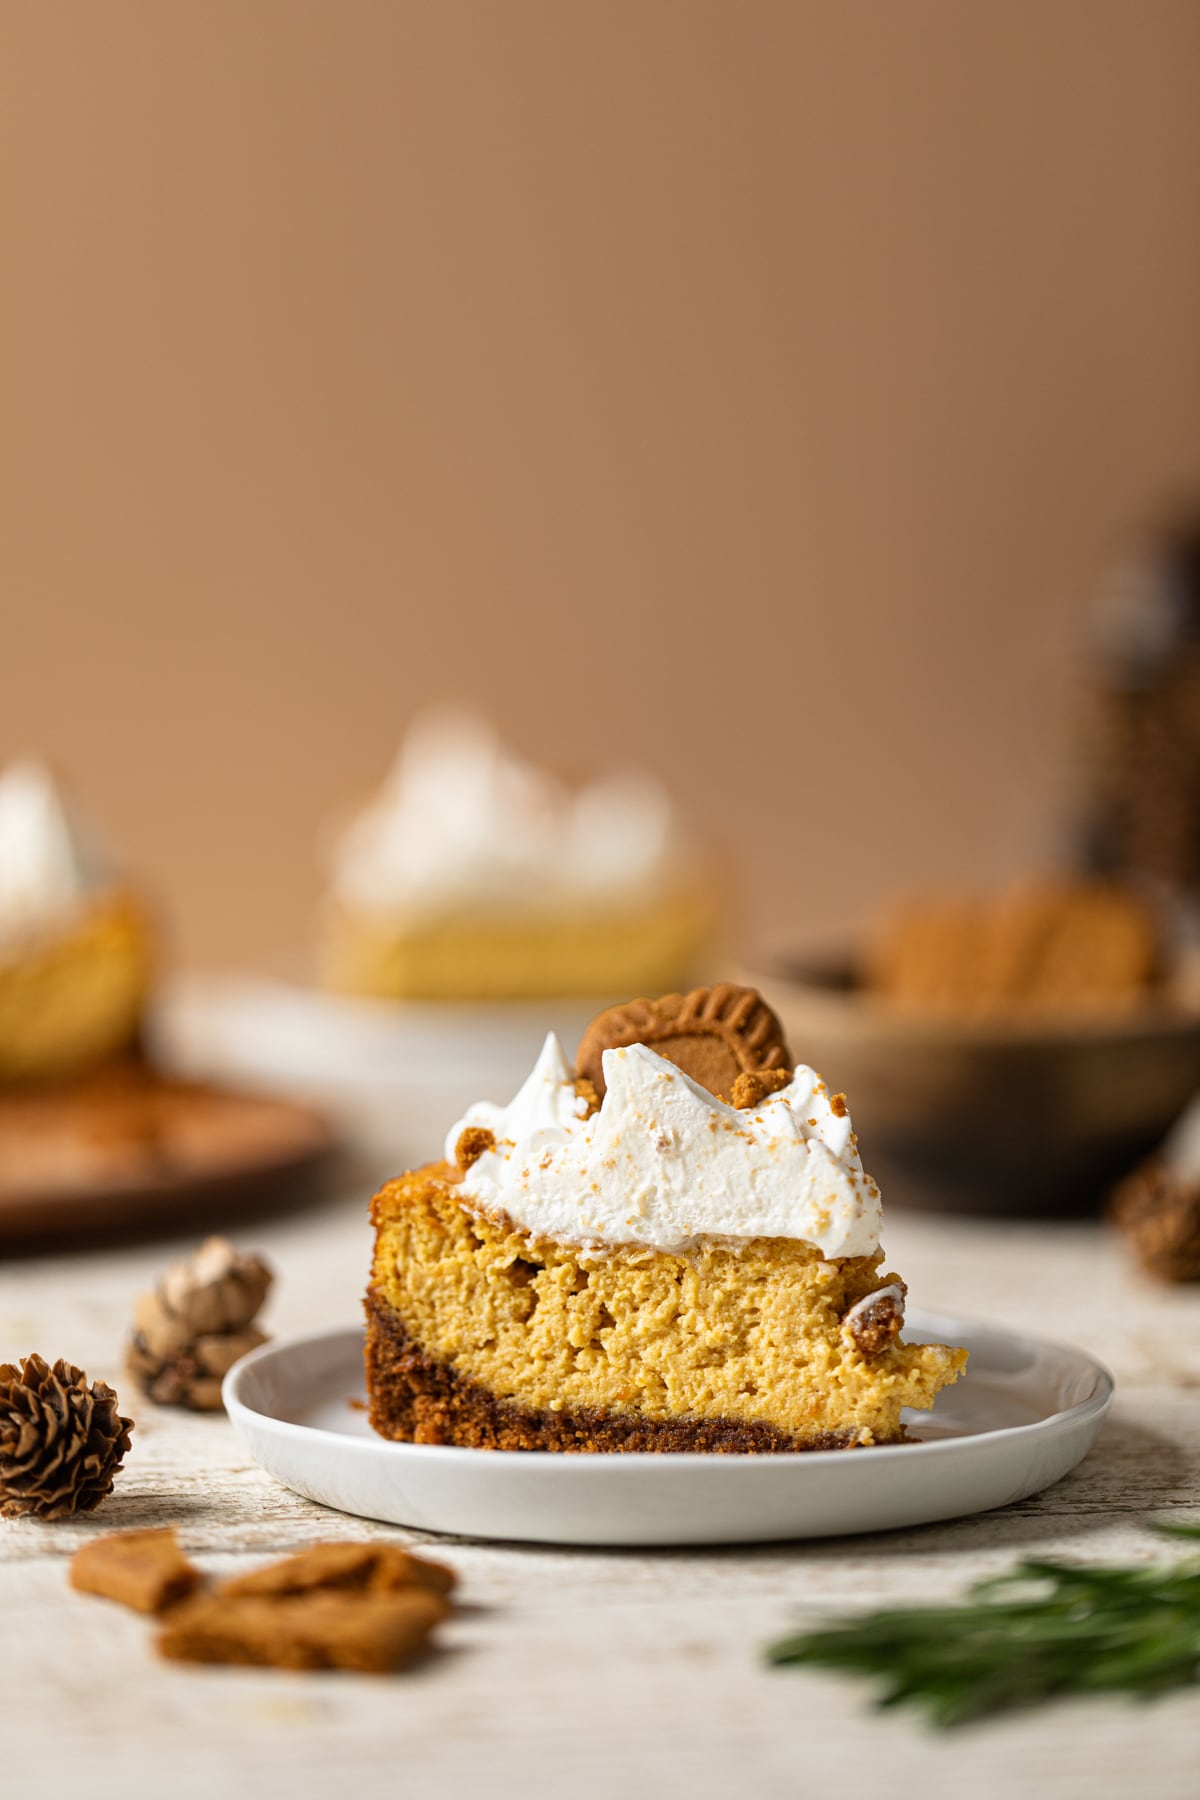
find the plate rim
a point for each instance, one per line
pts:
(34, 1217)
(1093, 1407)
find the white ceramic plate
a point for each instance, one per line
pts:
(1022, 1417)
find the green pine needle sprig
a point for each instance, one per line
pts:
(1046, 1629)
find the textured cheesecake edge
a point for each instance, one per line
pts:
(418, 1398)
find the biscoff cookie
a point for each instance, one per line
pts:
(713, 1034)
(341, 1605)
(1049, 946)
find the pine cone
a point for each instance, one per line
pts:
(1159, 1213)
(61, 1441)
(195, 1325)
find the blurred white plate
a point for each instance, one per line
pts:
(402, 1071)
(1023, 1416)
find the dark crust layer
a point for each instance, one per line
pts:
(416, 1398)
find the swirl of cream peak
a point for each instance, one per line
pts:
(461, 822)
(664, 1162)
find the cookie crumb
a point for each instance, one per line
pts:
(473, 1143)
(586, 1091)
(754, 1086)
(874, 1322)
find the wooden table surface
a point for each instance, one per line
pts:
(567, 1671)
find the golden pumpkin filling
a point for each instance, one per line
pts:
(480, 1333)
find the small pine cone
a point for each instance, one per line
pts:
(189, 1332)
(61, 1441)
(1159, 1214)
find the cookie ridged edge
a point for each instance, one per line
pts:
(739, 1015)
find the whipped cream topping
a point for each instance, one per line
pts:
(461, 822)
(43, 875)
(664, 1162)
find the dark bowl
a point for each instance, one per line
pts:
(1023, 1115)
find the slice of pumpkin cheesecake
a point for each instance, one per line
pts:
(624, 1258)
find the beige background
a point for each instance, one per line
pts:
(749, 389)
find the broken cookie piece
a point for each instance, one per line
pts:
(373, 1633)
(355, 1567)
(145, 1570)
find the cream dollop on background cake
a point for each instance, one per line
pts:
(43, 871)
(664, 1162)
(462, 823)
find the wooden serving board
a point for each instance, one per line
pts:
(129, 1148)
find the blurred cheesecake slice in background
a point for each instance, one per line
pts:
(76, 951)
(99, 1132)
(474, 875)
